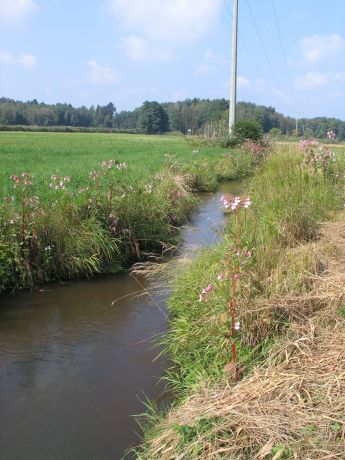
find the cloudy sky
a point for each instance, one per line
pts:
(291, 53)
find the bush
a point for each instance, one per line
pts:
(248, 129)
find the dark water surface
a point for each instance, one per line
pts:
(74, 368)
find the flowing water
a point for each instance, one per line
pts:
(75, 368)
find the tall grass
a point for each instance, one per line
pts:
(288, 206)
(67, 211)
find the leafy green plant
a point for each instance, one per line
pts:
(248, 129)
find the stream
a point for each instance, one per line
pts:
(75, 368)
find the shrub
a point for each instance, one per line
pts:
(248, 129)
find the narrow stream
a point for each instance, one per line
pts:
(74, 368)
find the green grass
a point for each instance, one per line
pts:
(102, 225)
(75, 155)
(288, 205)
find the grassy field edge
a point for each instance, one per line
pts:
(288, 290)
(109, 223)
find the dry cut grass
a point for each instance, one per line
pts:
(292, 406)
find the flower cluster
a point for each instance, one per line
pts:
(203, 297)
(235, 203)
(95, 174)
(24, 180)
(307, 144)
(59, 182)
(254, 148)
(107, 164)
(331, 134)
(316, 154)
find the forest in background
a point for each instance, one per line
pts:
(194, 116)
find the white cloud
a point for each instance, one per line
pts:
(256, 86)
(140, 49)
(210, 62)
(16, 11)
(103, 75)
(318, 47)
(243, 82)
(314, 80)
(171, 21)
(25, 60)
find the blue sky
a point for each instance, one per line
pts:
(89, 52)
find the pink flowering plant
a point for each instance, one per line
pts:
(20, 214)
(317, 157)
(105, 177)
(331, 135)
(258, 150)
(227, 281)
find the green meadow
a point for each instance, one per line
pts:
(75, 155)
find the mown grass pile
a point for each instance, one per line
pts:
(75, 205)
(289, 336)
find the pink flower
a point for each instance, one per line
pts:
(248, 253)
(237, 276)
(210, 288)
(226, 201)
(246, 203)
(221, 276)
(235, 203)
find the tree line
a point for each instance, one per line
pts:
(196, 116)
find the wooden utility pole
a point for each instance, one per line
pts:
(232, 102)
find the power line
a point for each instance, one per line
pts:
(249, 53)
(262, 44)
(284, 57)
(281, 44)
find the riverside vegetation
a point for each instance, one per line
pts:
(75, 205)
(257, 324)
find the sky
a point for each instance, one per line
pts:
(291, 53)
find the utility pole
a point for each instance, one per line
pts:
(232, 106)
(297, 121)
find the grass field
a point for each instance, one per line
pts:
(75, 155)
(78, 204)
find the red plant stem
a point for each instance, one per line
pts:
(233, 302)
(234, 354)
(23, 220)
(110, 195)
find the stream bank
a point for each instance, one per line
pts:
(74, 368)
